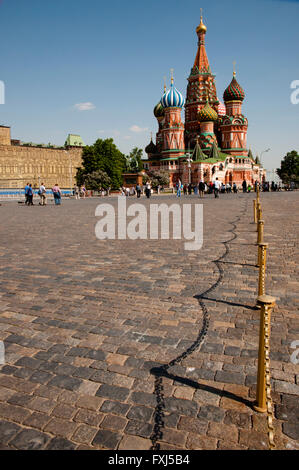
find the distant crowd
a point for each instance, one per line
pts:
(214, 187)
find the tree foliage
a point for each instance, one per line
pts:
(102, 156)
(133, 161)
(157, 178)
(97, 180)
(289, 168)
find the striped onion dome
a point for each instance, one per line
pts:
(221, 109)
(207, 114)
(159, 110)
(172, 98)
(234, 92)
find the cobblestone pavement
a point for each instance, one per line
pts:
(87, 325)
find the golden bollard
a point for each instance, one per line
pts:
(260, 232)
(267, 303)
(262, 265)
(254, 211)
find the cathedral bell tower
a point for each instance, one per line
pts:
(234, 124)
(173, 128)
(201, 87)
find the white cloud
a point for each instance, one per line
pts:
(138, 129)
(84, 106)
(127, 137)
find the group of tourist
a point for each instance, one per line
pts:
(201, 188)
(42, 192)
(79, 192)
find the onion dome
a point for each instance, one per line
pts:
(207, 114)
(234, 92)
(221, 110)
(151, 148)
(201, 28)
(159, 110)
(172, 98)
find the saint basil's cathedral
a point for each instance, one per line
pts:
(212, 142)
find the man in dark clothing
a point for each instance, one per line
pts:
(244, 186)
(30, 195)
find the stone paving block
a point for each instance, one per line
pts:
(89, 417)
(223, 431)
(134, 443)
(115, 407)
(30, 439)
(84, 434)
(61, 427)
(37, 420)
(90, 403)
(59, 443)
(115, 423)
(14, 413)
(66, 382)
(110, 391)
(138, 428)
(193, 425)
(197, 442)
(107, 439)
(8, 431)
(141, 413)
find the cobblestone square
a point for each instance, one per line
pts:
(101, 336)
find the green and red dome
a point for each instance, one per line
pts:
(234, 92)
(207, 113)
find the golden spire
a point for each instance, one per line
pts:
(171, 74)
(201, 28)
(234, 65)
(164, 84)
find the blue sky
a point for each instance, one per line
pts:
(113, 55)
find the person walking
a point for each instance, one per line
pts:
(57, 194)
(148, 189)
(189, 189)
(235, 189)
(26, 194)
(244, 186)
(77, 192)
(201, 188)
(217, 186)
(138, 190)
(30, 195)
(43, 195)
(179, 188)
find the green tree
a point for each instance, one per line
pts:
(157, 178)
(289, 168)
(103, 155)
(133, 161)
(97, 180)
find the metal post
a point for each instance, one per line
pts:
(262, 247)
(260, 232)
(254, 211)
(267, 303)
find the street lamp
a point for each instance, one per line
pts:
(264, 151)
(189, 160)
(66, 151)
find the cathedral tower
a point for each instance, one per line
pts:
(234, 124)
(201, 86)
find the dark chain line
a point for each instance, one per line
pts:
(160, 371)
